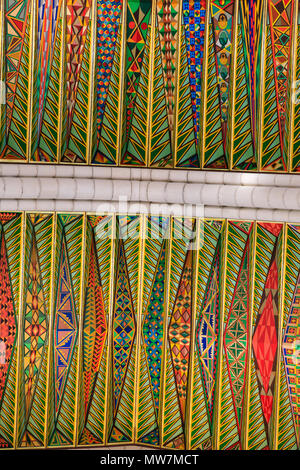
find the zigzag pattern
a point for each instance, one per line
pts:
(129, 227)
(222, 20)
(138, 18)
(257, 438)
(172, 424)
(213, 138)
(168, 22)
(8, 336)
(160, 143)
(108, 27)
(47, 14)
(124, 416)
(281, 14)
(295, 152)
(17, 135)
(220, 407)
(288, 429)
(289, 351)
(95, 332)
(69, 257)
(94, 432)
(106, 152)
(194, 27)
(78, 84)
(16, 20)
(186, 153)
(271, 158)
(228, 431)
(152, 343)
(103, 247)
(124, 328)
(79, 89)
(241, 138)
(94, 328)
(147, 417)
(37, 297)
(136, 152)
(49, 137)
(179, 333)
(200, 425)
(207, 333)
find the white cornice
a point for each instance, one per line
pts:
(223, 194)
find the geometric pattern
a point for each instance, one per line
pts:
(153, 334)
(78, 41)
(207, 334)
(194, 21)
(166, 83)
(7, 320)
(179, 333)
(65, 327)
(281, 14)
(123, 357)
(108, 26)
(234, 355)
(265, 331)
(123, 325)
(93, 367)
(10, 269)
(35, 327)
(291, 361)
(150, 379)
(94, 329)
(176, 333)
(35, 323)
(236, 337)
(218, 88)
(265, 342)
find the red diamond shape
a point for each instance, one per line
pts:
(265, 342)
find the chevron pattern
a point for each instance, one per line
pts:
(38, 259)
(199, 84)
(152, 333)
(121, 329)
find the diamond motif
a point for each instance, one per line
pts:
(265, 343)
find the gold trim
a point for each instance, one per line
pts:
(174, 133)
(51, 318)
(202, 123)
(142, 234)
(293, 78)
(31, 78)
(152, 26)
(110, 326)
(219, 376)
(122, 85)
(275, 428)
(190, 394)
(20, 318)
(80, 329)
(232, 95)
(165, 329)
(92, 79)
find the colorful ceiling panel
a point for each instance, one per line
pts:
(151, 83)
(163, 332)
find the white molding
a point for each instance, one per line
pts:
(223, 194)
